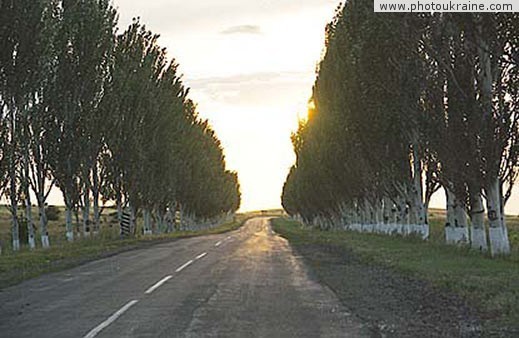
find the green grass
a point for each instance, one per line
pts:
(492, 285)
(26, 264)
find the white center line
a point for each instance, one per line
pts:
(110, 319)
(184, 266)
(158, 284)
(229, 237)
(218, 243)
(201, 256)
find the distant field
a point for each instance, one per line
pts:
(56, 228)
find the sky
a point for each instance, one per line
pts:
(250, 65)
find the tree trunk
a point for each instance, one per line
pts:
(388, 210)
(28, 215)
(160, 221)
(68, 219)
(133, 220)
(86, 211)
(498, 234)
(119, 204)
(456, 229)
(44, 235)
(28, 208)
(402, 215)
(95, 197)
(477, 219)
(146, 219)
(15, 228)
(169, 220)
(97, 215)
(499, 244)
(417, 200)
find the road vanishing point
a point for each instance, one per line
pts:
(245, 283)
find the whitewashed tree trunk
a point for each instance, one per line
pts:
(388, 210)
(498, 235)
(44, 235)
(402, 214)
(169, 220)
(379, 212)
(146, 216)
(97, 215)
(417, 195)
(68, 220)
(15, 227)
(477, 218)
(28, 207)
(368, 218)
(133, 219)
(95, 199)
(30, 228)
(86, 211)
(119, 204)
(456, 229)
(160, 221)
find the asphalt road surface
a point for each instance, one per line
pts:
(246, 283)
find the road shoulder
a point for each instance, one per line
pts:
(392, 303)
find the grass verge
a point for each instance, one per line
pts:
(491, 285)
(23, 265)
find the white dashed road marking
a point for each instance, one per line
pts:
(184, 266)
(201, 256)
(158, 284)
(218, 243)
(110, 319)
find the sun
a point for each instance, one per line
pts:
(311, 110)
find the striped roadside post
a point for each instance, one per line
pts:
(178, 220)
(126, 224)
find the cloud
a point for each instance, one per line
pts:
(261, 90)
(242, 29)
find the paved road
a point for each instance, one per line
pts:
(247, 283)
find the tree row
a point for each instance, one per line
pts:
(405, 104)
(102, 116)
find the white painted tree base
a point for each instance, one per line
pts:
(70, 236)
(391, 229)
(45, 241)
(479, 239)
(16, 244)
(499, 244)
(32, 242)
(456, 235)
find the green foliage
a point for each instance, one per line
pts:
(400, 96)
(101, 116)
(162, 154)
